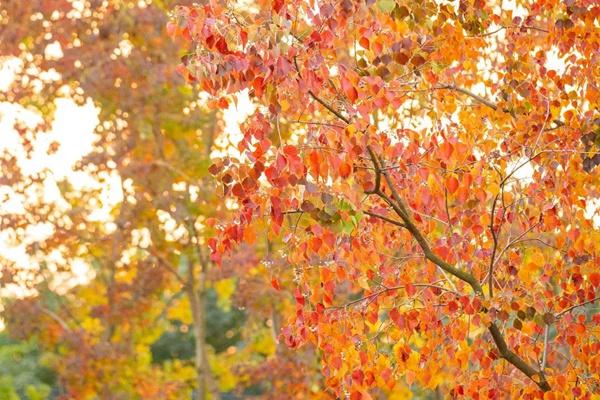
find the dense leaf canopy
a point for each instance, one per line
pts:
(431, 169)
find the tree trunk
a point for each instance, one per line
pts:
(204, 379)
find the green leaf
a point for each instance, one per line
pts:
(347, 226)
(386, 5)
(356, 218)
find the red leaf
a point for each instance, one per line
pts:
(221, 46)
(238, 190)
(364, 42)
(214, 169)
(418, 60)
(358, 376)
(248, 183)
(277, 5)
(372, 317)
(271, 173)
(299, 297)
(595, 279)
(451, 183)
(345, 170)
(396, 317)
(401, 58)
(259, 85)
(477, 229)
(290, 150)
(442, 251)
(275, 284)
(223, 103)
(452, 306)
(349, 90)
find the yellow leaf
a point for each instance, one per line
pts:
(224, 288)
(92, 325)
(493, 189)
(264, 344)
(351, 129)
(432, 183)
(363, 282)
(181, 311)
(528, 271)
(402, 27)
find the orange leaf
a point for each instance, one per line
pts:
(275, 284)
(451, 183)
(595, 279)
(446, 150)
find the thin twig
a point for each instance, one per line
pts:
(56, 317)
(384, 218)
(391, 289)
(495, 245)
(447, 208)
(317, 123)
(166, 264)
(563, 312)
(320, 101)
(544, 354)
(533, 28)
(478, 98)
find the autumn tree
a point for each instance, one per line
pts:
(431, 168)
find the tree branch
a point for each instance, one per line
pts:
(319, 100)
(545, 353)
(55, 317)
(534, 28)
(391, 289)
(510, 356)
(384, 218)
(378, 172)
(328, 107)
(565, 311)
(494, 249)
(482, 100)
(398, 206)
(474, 96)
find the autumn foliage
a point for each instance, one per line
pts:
(430, 170)
(410, 208)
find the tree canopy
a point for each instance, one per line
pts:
(431, 168)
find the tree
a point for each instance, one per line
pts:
(147, 248)
(432, 170)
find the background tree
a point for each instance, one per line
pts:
(153, 301)
(440, 163)
(117, 53)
